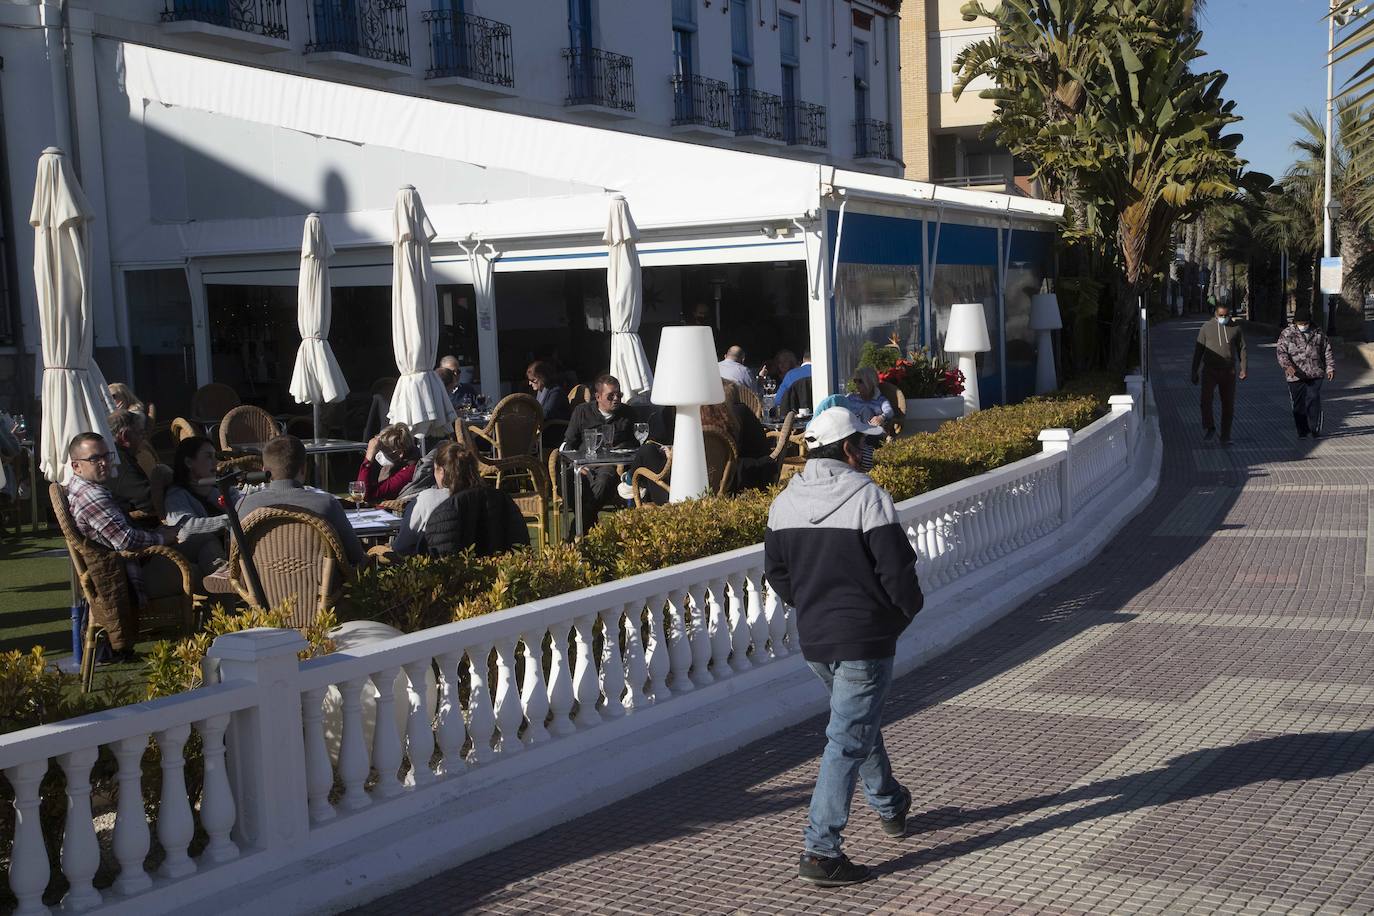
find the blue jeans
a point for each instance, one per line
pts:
(854, 748)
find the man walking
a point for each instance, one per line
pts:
(1220, 346)
(836, 552)
(1307, 361)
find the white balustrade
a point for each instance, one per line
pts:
(507, 710)
(636, 664)
(217, 812)
(419, 723)
(679, 643)
(451, 732)
(656, 652)
(718, 629)
(612, 665)
(481, 716)
(585, 681)
(699, 635)
(353, 762)
(131, 837)
(175, 826)
(29, 857)
(534, 695)
(560, 684)
(740, 633)
(80, 848)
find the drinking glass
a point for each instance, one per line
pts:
(592, 442)
(465, 403)
(642, 432)
(481, 402)
(356, 491)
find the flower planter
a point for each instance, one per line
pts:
(924, 415)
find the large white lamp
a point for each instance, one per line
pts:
(686, 377)
(1044, 318)
(968, 336)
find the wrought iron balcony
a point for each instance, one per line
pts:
(262, 17)
(757, 114)
(803, 124)
(701, 101)
(469, 47)
(601, 78)
(374, 29)
(872, 140)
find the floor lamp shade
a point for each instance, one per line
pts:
(968, 336)
(1044, 319)
(687, 376)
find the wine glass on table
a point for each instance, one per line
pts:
(482, 403)
(642, 432)
(356, 491)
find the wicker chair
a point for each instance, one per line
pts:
(182, 428)
(211, 402)
(722, 462)
(894, 397)
(525, 480)
(512, 430)
(240, 426)
(299, 558)
(579, 394)
(750, 400)
(100, 572)
(782, 442)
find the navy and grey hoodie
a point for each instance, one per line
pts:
(835, 551)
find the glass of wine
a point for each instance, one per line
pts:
(482, 402)
(642, 432)
(356, 491)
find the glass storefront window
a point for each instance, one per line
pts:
(873, 302)
(971, 283)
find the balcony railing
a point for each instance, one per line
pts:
(757, 114)
(872, 140)
(469, 47)
(375, 29)
(262, 17)
(803, 124)
(701, 101)
(602, 78)
(993, 179)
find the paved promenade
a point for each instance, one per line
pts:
(1186, 726)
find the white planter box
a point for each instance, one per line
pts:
(924, 415)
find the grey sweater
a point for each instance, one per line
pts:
(1219, 347)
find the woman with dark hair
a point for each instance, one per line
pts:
(448, 472)
(389, 463)
(543, 381)
(194, 507)
(472, 513)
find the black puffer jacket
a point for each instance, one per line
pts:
(482, 518)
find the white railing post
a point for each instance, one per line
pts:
(1135, 387)
(1061, 440)
(266, 742)
(1125, 404)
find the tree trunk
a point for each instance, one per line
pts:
(1125, 321)
(1349, 306)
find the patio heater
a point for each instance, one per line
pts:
(686, 377)
(1044, 319)
(967, 336)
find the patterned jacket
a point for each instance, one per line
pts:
(1308, 356)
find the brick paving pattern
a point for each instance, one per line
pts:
(1186, 728)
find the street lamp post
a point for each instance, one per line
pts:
(1326, 193)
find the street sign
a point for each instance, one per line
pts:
(1331, 276)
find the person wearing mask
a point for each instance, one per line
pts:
(835, 550)
(472, 515)
(1307, 360)
(607, 413)
(194, 507)
(410, 539)
(389, 463)
(98, 516)
(867, 401)
(283, 459)
(1219, 353)
(732, 369)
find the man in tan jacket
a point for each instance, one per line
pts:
(1220, 347)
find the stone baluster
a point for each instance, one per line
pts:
(612, 665)
(29, 866)
(80, 848)
(789, 614)
(175, 826)
(534, 695)
(560, 682)
(131, 839)
(585, 680)
(636, 665)
(386, 744)
(353, 764)
(679, 643)
(1002, 498)
(419, 724)
(481, 717)
(319, 775)
(217, 812)
(699, 635)
(451, 730)
(509, 715)
(756, 619)
(740, 633)
(656, 652)
(718, 629)
(777, 623)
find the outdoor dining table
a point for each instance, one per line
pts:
(579, 460)
(373, 524)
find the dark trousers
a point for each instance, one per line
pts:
(1223, 382)
(1306, 395)
(598, 489)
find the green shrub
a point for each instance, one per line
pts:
(33, 692)
(414, 593)
(524, 575)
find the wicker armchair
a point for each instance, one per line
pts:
(894, 397)
(525, 480)
(100, 573)
(299, 558)
(782, 442)
(211, 402)
(579, 394)
(749, 399)
(182, 428)
(240, 426)
(513, 429)
(722, 462)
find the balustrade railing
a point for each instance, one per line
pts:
(872, 139)
(803, 124)
(264, 17)
(597, 77)
(701, 101)
(757, 114)
(374, 29)
(469, 47)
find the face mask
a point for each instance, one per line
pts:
(1305, 328)
(383, 459)
(1223, 319)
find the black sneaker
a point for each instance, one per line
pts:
(1207, 434)
(836, 872)
(896, 825)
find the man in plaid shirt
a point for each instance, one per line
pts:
(98, 517)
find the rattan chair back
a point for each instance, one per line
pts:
(245, 424)
(299, 558)
(211, 402)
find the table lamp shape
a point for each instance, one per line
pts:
(1044, 318)
(686, 376)
(968, 336)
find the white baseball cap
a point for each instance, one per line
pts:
(836, 424)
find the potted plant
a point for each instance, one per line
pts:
(932, 387)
